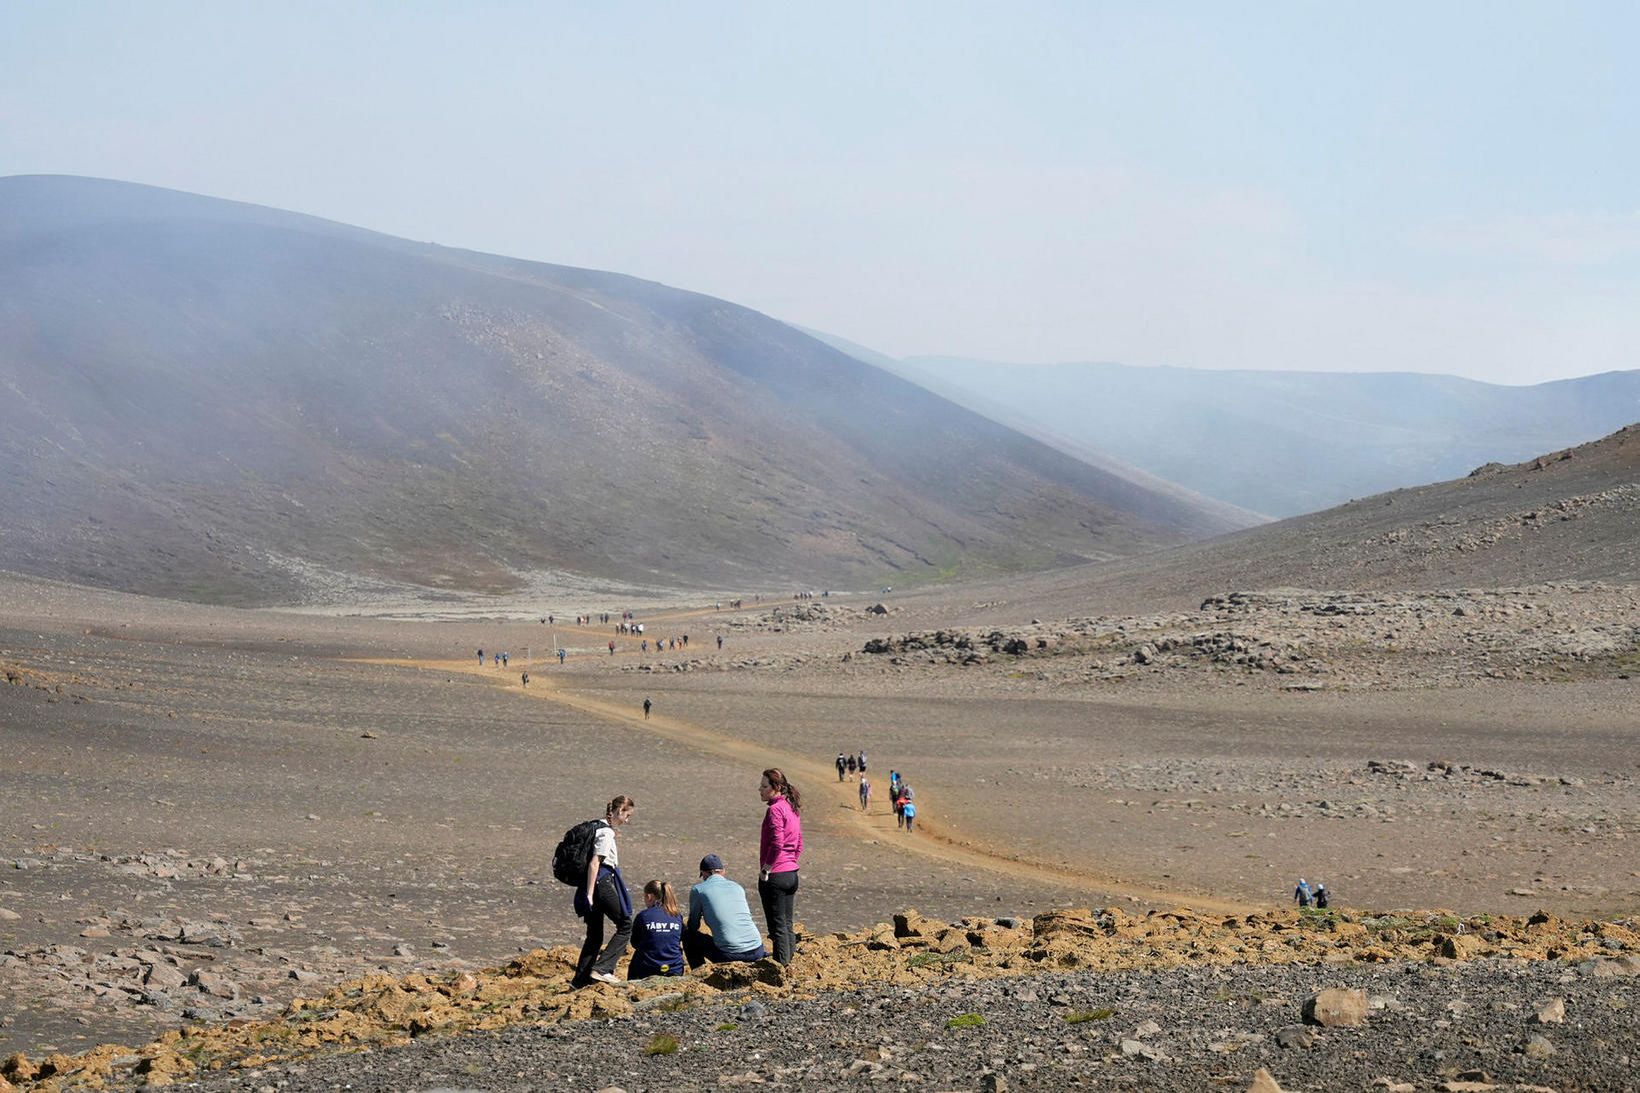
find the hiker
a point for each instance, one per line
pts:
(481, 658)
(779, 846)
(862, 761)
(853, 766)
(865, 793)
(720, 641)
(526, 679)
(1301, 894)
(646, 709)
(505, 661)
(561, 656)
(602, 896)
(1322, 899)
(612, 647)
(842, 766)
(657, 934)
(899, 806)
(909, 811)
(722, 903)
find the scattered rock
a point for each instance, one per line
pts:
(1552, 1012)
(1336, 1008)
(1538, 1047)
(1263, 1082)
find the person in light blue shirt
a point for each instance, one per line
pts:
(722, 904)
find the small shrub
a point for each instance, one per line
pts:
(937, 960)
(661, 1044)
(728, 1026)
(1078, 1017)
(965, 1020)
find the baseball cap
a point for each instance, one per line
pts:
(711, 863)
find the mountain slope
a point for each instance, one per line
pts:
(1282, 443)
(223, 402)
(1572, 515)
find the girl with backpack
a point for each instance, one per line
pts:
(779, 847)
(603, 895)
(657, 933)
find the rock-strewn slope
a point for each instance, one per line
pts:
(1297, 639)
(916, 968)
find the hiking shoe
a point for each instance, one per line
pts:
(605, 977)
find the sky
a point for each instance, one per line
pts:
(1449, 187)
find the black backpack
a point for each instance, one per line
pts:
(574, 851)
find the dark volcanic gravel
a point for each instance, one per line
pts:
(1189, 1028)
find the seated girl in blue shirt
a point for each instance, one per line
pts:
(657, 934)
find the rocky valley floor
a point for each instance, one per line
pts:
(207, 814)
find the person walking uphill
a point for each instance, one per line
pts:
(603, 895)
(779, 847)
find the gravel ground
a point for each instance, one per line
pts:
(1466, 1026)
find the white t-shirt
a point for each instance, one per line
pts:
(603, 846)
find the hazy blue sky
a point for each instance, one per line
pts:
(1433, 187)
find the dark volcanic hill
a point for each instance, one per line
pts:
(224, 402)
(1571, 515)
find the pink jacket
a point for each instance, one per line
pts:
(782, 840)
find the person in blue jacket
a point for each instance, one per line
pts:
(657, 934)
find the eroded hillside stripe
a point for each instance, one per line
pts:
(938, 841)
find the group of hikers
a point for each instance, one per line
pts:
(900, 793)
(1305, 896)
(663, 941)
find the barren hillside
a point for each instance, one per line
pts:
(228, 403)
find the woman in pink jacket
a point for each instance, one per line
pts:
(779, 848)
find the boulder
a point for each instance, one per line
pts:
(1336, 1008)
(1263, 1082)
(1552, 1012)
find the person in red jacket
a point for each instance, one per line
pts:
(779, 847)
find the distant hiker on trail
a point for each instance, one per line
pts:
(842, 766)
(612, 647)
(862, 762)
(893, 784)
(495, 660)
(657, 934)
(1301, 894)
(779, 846)
(561, 656)
(646, 709)
(720, 641)
(505, 660)
(865, 793)
(1322, 899)
(722, 903)
(909, 811)
(602, 894)
(526, 679)
(853, 766)
(481, 658)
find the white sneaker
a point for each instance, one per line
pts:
(605, 977)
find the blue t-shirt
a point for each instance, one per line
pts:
(657, 943)
(722, 903)
(910, 810)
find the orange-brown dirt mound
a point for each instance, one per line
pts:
(912, 950)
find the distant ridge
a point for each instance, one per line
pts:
(1567, 516)
(228, 403)
(1281, 443)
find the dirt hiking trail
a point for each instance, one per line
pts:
(939, 841)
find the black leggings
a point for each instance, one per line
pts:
(779, 896)
(606, 903)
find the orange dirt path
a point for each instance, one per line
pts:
(941, 842)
